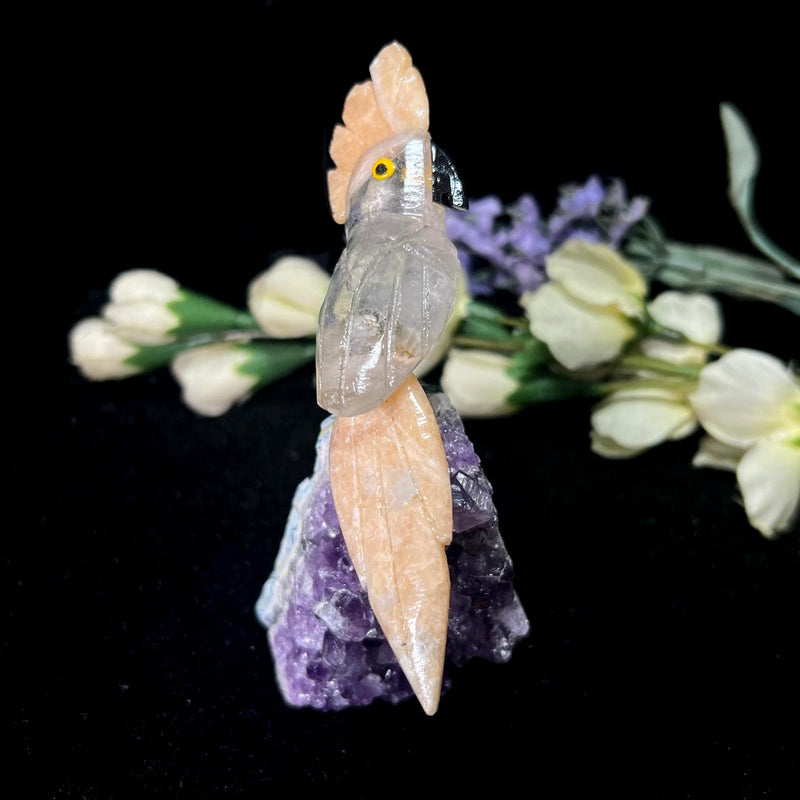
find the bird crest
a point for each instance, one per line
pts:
(392, 102)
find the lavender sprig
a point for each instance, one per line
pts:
(505, 246)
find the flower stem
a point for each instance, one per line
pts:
(514, 322)
(501, 345)
(684, 387)
(489, 312)
(660, 331)
(716, 349)
(656, 365)
(713, 269)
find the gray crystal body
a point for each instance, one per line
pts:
(328, 650)
(394, 286)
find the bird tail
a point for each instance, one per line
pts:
(391, 489)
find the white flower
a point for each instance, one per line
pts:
(749, 400)
(211, 378)
(477, 383)
(443, 342)
(716, 454)
(745, 396)
(149, 285)
(769, 479)
(285, 299)
(697, 316)
(632, 420)
(584, 313)
(98, 352)
(139, 306)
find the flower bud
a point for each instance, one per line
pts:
(139, 307)
(148, 285)
(150, 308)
(630, 421)
(98, 352)
(214, 377)
(211, 379)
(285, 299)
(477, 383)
(694, 315)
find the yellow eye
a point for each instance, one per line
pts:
(383, 168)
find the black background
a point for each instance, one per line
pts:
(192, 139)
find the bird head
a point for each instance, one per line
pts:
(403, 175)
(385, 160)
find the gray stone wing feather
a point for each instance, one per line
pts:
(388, 303)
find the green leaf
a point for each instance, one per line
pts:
(268, 361)
(481, 310)
(652, 328)
(526, 363)
(201, 314)
(150, 357)
(743, 158)
(481, 328)
(549, 388)
(743, 166)
(716, 269)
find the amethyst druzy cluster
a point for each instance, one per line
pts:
(328, 649)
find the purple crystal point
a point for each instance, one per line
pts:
(328, 649)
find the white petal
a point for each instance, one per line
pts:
(769, 478)
(142, 321)
(697, 316)
(98, 352)
(281, 320)
(641, 418)
(687, 429)
(596, 274)
(674, 353)
(608, 448)
(578, 334)
(210, 378)
(443, 342)
(716, 454)
(477, 383)
(143, 284)
(286, 298)
(745, 396)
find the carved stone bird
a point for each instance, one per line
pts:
(388, 302)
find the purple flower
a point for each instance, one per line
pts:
(501, 247)
(624, 213)
(576, 205)
(475, 228)
(526, 233)
(504, 247)
(477, 242)
(594, 213)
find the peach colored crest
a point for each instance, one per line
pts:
(393, 102)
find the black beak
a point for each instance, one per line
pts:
(447, 187)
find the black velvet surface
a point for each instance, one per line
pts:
(662, 661)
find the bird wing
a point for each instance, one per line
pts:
(382, 315)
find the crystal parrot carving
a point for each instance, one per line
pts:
(390, 296)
